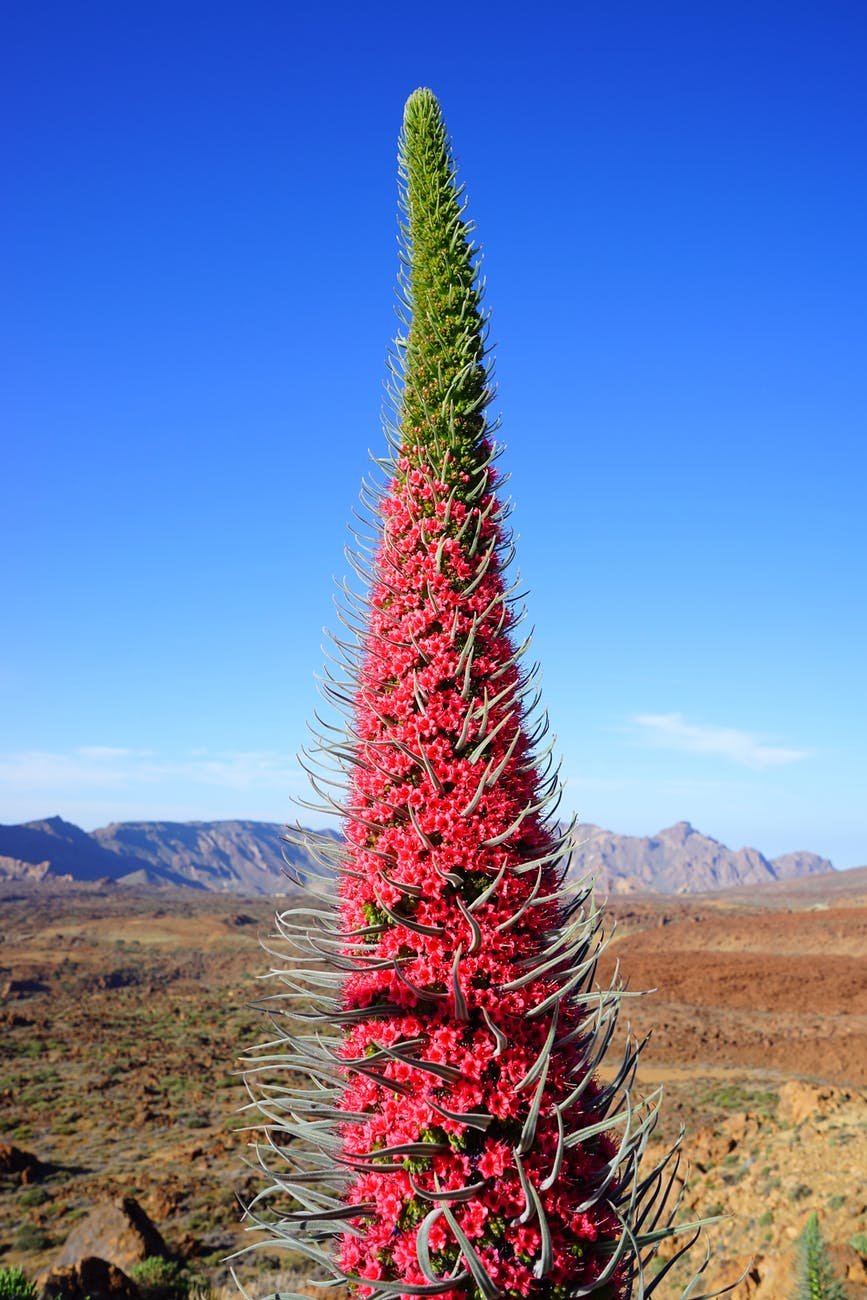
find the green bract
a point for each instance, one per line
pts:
(444, 386)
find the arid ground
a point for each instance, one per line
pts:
(123, 1014)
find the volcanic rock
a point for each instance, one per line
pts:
(15, 1161)
(802, 1101)
(118, 1232)
(88, 1279)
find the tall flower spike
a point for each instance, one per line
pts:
(430, 1122)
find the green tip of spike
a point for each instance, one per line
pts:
(420, 100)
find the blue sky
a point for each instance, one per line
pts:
(199, 250)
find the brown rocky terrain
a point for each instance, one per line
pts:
(123, 1013)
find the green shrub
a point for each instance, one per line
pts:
(160, 1279)
(859, 1243)
(14, 1285)
(29, 1237)
(732, 1096)
(33, 1196)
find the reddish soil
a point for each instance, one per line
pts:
(763, 989)
(122, 1016)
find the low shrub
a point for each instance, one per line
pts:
(165, 1279)
(30, 1237)
(160, 1279)
(33, 1196)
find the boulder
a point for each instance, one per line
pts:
(118, 1232)
(88, 1279)
(23, 988)
(801, 1101)
(20, 1164)
(758, 1277)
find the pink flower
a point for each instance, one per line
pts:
(495, 1158)
(473, 1218)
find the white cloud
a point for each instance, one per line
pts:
(672, 731)
(41, 770)
(229, 784)
(106, 751)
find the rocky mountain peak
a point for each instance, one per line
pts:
(679, 833)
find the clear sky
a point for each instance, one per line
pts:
(198, 238)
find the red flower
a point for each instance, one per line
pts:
(428, 834)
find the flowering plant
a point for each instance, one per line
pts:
(452, 1137)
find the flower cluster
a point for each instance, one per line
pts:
(460, 1079)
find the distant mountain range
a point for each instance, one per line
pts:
(680, 860)
(237, 857)
(247, 857)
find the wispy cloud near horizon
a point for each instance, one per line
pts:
(673, 731)
(220, 784)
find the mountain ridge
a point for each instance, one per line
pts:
(679, 859)
(248, 857)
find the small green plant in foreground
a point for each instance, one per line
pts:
(15, 1286)
(815, 1279)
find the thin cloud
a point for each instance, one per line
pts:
(43, 770)
(96, 766)
(672, 731)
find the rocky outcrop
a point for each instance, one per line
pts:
(18, 869)
(116, 1231)
(20, 1165)
(88, 1279)
(56, 847)
(27, 987)
(774, 1276)
(807, 1101)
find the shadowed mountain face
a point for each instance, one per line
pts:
(247, 857)
(679, 860)
(62, 848)
(240, 857)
